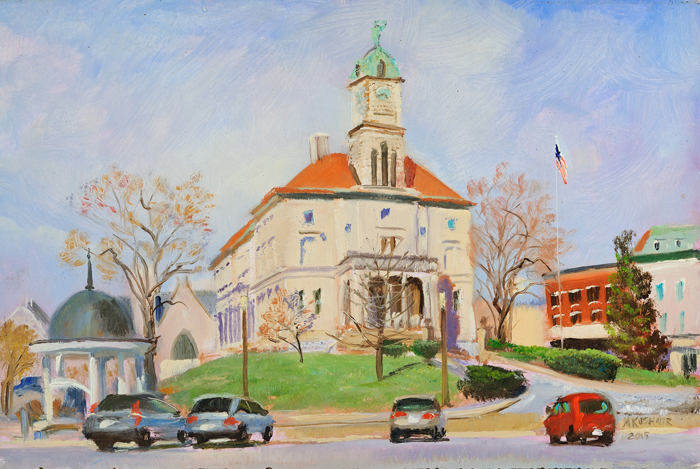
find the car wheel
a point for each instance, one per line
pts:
(607, 438)
(244, 435)
(394, 437)
(571, 437)
(145, 439)
(181, 436)
(103, 445)
(435, 434)
(201, 439)
(555, 440)
(267, 436)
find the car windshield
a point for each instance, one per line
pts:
(160, 407)
(116, 402)
(415, 405)
(596, 406)
(214, 404)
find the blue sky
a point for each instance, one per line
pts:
(234, 89)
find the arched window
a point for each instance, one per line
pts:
(381, 69)
(393, 169)
(184, 348)
(357, 71)
(385, 164)
(374, 167)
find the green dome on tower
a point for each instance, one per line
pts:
(377, 62)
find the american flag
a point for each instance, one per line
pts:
(561, 162)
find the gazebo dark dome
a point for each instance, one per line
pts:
(92, 314)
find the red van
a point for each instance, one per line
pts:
(579, 417)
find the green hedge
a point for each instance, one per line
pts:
(395, 350)
(590, 364)
(426, 349)
(488, 382)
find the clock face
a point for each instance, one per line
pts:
(383, 93)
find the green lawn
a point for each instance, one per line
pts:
(644, 377)
(324, 382)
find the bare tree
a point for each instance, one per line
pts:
(286, 319)
(151, 232)
(379, 292)
(513, 240)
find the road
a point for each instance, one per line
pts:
(654, 450)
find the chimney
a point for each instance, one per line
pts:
(318, 146)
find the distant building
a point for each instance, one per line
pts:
(671, 254)
(31, 315)
(188, 335)
(322, 230)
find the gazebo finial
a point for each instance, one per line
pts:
(89, 285)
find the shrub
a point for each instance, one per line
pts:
(488, 382)
(394, 350)
(498, 346)
(426, 349)
(590, 364)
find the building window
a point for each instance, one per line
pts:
(393, 169)
(659, 291)
(381, 69)
(657, 244)
(554, 300)
(555, 319)
(593, 294)
(662, 323)
(596, 315)
(385, 213)
(608, 293)
(680, 284)
(385, 164)
(681, 322)
(457, 300)
(575, 317)
(308, 217)
(451, 224)
(678, 243)
(574, 297)
(317, 302)
(302, 306)
(374, 167)
(389, 242)
(357, 71)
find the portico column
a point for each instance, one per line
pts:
(121, 382)
(93, 379)
(102, 375)
(48, 392)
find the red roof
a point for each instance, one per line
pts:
(332, 174)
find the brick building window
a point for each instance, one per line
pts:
(596, 315)
(555, 319)
(608, 293)
(593, 294)
(554, 300)
(575, 317)
(574, 297)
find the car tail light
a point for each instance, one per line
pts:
(398, 414)
(231, 421)
(192, 419)
(93, 408)
(428, 416)
(136, 412)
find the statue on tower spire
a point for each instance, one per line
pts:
(377, 29)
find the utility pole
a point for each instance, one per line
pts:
(443, 339)
(244, 325)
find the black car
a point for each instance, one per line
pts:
(137, 418)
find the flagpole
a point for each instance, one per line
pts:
(556, 211)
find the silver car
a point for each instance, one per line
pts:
(226, 416)
(417, 415)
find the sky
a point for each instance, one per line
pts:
(235, 88)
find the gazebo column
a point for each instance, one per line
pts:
(94, 379)
(122, 387)
(48, 392)
(138, 364)
(60, 366)
(102, 375)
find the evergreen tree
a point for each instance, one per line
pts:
(632, 314)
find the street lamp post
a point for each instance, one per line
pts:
(244, 326)
(443, 339)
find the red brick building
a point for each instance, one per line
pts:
(579, 305)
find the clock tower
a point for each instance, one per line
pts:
(376, 139)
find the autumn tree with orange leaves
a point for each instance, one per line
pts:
(286, 319)
(151, 231)
(15, 359)
(513, 240)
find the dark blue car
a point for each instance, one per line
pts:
(137, 418)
